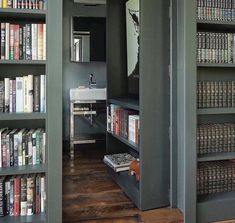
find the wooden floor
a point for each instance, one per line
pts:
(90, 195)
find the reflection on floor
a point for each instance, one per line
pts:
(90, 195)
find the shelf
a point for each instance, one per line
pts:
(216, 156)
(19, 170)
(126, 141)
(223, 65)
(37, 218)
(128, 184)
(126, 103)
(216, 207)
(6, 13)
(216, 22)
(22, 116)
(215, 111)
(215, 25)
(23, 62)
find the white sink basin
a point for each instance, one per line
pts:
(87, 94)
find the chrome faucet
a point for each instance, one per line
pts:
(92, 83)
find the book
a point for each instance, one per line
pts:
(118, 162)
(19, 94)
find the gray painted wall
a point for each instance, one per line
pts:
(75, 74)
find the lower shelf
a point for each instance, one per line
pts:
(216, 207)
(37, 218)
(128, 184)
(216, 156)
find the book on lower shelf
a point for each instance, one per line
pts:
(23, 94)
(22, 147)
(119, 162)
(215, 177)
(123, 122)
(22, 195)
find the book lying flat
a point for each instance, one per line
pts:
(119, 162)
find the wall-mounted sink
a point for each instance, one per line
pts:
(87, 94)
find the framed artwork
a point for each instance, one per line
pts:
(132, 32)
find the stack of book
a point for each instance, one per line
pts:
(22, 147)
(23, 94)
(222, 10)
(24, 4)
(215, 177)
(119, 162)
(22, 195)
(215, 47)
(23, 42)
(216, 94)
(123, 122)
(215, 138)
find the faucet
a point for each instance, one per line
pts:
(92, 83)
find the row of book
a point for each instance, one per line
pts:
(223, 10)
(215, 138)
(23, 94)
(22, 147)
(216, 94)
(24, 4)
(23, 42)
(215, 47)
(22, 195)
(215, 177)
(119, 162)
(123, 122)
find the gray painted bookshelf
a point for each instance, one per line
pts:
(51, 121)
(218, 206)
(152, 191)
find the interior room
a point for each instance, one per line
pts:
(117, 111)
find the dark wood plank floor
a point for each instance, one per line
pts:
(90, 195)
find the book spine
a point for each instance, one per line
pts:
(36, 94)
(3, 40)
(14, 96)
(16, 42)
(38, 146)
(43, 195)
(44, 41)
(34, 148)
(16, 144)
(11, 96)
(28, 42)
(11, 145)
(11, 48)
(30, 196)
(42, 93)
(38, 198)
(30, 93)
(19, 94)
(23, 197)
(40, 41)
(7, 94)
(25, 93)
(20, 148)
(2, 197)
(21, 43)
(2, 95)
(11, 196)
(17, 192)
(7, 40)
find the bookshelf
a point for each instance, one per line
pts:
(152, 190)
(50, 121)
(211, 207)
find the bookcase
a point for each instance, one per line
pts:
(218, 203)
(50, 120)
(151, 100)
